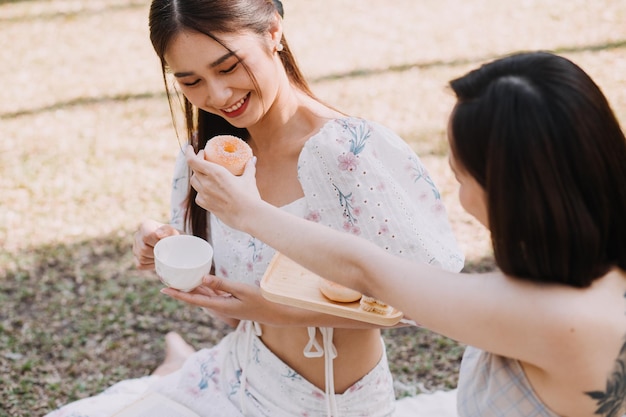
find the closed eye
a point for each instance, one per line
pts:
(191, 84)
(230, 69)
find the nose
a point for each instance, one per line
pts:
(218, 94)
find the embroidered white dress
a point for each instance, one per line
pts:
(359, 177)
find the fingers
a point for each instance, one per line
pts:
(208, 178)
(210, 292)
(250, 168)
(228, 298)
(229, 197)
(146, 237)
(143, 251)
(223, 304)
(194, 161)
(200, 165)
(220, 285)
(190, 155)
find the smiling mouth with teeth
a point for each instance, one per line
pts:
(237, 105)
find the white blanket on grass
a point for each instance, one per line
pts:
(437, 404)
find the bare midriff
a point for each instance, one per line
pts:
(358, 352)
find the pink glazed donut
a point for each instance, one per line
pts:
(229, 151)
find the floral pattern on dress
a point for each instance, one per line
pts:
(313, 216)
(208, 372)
(177, 212)
(256, 247)
(419, 173)
(381, 190)
(359, 134)
(350, 213)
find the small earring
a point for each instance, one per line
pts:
(279, 47)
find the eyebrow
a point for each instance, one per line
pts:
(213, 64)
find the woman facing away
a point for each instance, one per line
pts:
(232, 64)
(541, 162)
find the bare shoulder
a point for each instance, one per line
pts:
(587, 367)
(607, 365)
(593, 322)
(594, 332)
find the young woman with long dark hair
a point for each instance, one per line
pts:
(237, 75)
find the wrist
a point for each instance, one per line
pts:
(251, 217)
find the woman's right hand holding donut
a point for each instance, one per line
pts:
(148, 234)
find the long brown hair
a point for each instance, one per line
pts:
(170, 17)
(540, 137)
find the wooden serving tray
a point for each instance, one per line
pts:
(286, 282)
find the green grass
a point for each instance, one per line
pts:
(77, 318)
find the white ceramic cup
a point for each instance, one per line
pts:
(182, 260)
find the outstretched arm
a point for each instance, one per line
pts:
(490, 311)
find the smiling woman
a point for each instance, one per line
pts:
(238, 77)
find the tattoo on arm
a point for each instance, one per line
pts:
(612, 402)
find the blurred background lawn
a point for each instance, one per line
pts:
(87, 148)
